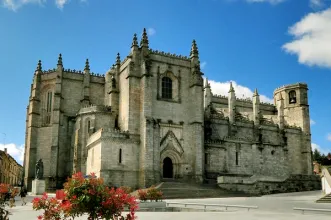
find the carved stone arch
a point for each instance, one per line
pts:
(170, 142)
(170, 147)
(176, 162)
(175, 86)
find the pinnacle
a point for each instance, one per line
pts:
(118, 59)
(144, 39)
(255, 92)
(231, 88)
(207, 85)
(59, 61)
(135, 40)
(194, 49)
(87, 65)
(39, 67)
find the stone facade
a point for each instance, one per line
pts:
(151, 116)
(11, 172)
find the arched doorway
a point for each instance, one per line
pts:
(167, 168)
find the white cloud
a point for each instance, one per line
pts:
(312, 122)
(203, 65)
(328, 136)
(17, 152)
(316, 3)
(267, 1)
(151, 31)
(222, 88)
(312, 39)
(16, 4)
(60, 3)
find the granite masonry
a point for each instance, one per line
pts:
(153, 116)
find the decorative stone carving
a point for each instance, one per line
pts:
(170, 142)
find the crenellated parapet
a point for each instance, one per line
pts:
(162, 53)
(298, 84)
(220, 96)
(248, 100)
(48, 71)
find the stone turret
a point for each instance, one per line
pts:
(114, 91)
(208, 93)
(232, 104)
(296, 108)
(196, 77)
(144, 45)
(86, 90)
(280, 107)
(256, 108)
(33, 122)
(59, 63)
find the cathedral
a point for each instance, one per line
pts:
(152, 116)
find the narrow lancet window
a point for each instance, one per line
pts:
(237, 158)
(49, 103)
(120, 156)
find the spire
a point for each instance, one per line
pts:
(134, 41)
(87, 65)
(59, 61)
(144, 39)
(194, 50)
(207, 85)
(39, 67)
(231, 88)
(118, 59)
(255, 93)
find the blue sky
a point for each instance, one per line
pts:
(254, 43)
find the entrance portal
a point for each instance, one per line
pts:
(167, 168)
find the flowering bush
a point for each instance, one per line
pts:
(126, 189)
(87, 196)
(51, 206)
(5, 194)
(142, 195)
(151, 194)
(154, 194)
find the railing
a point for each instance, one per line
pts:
(212, 205)
(312, 210)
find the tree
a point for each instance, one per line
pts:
(317, 156)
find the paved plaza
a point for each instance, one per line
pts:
(278, 206)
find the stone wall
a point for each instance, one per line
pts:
(265, 185)
(116, 170)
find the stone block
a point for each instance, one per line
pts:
(38, 187)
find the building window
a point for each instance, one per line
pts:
(49, 106)
(88, 126)
(237, 158)
(166, 88)
(120, 156)
(116, 123)
(292, 97)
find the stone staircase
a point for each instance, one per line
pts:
(174, 189)
(325, 199)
